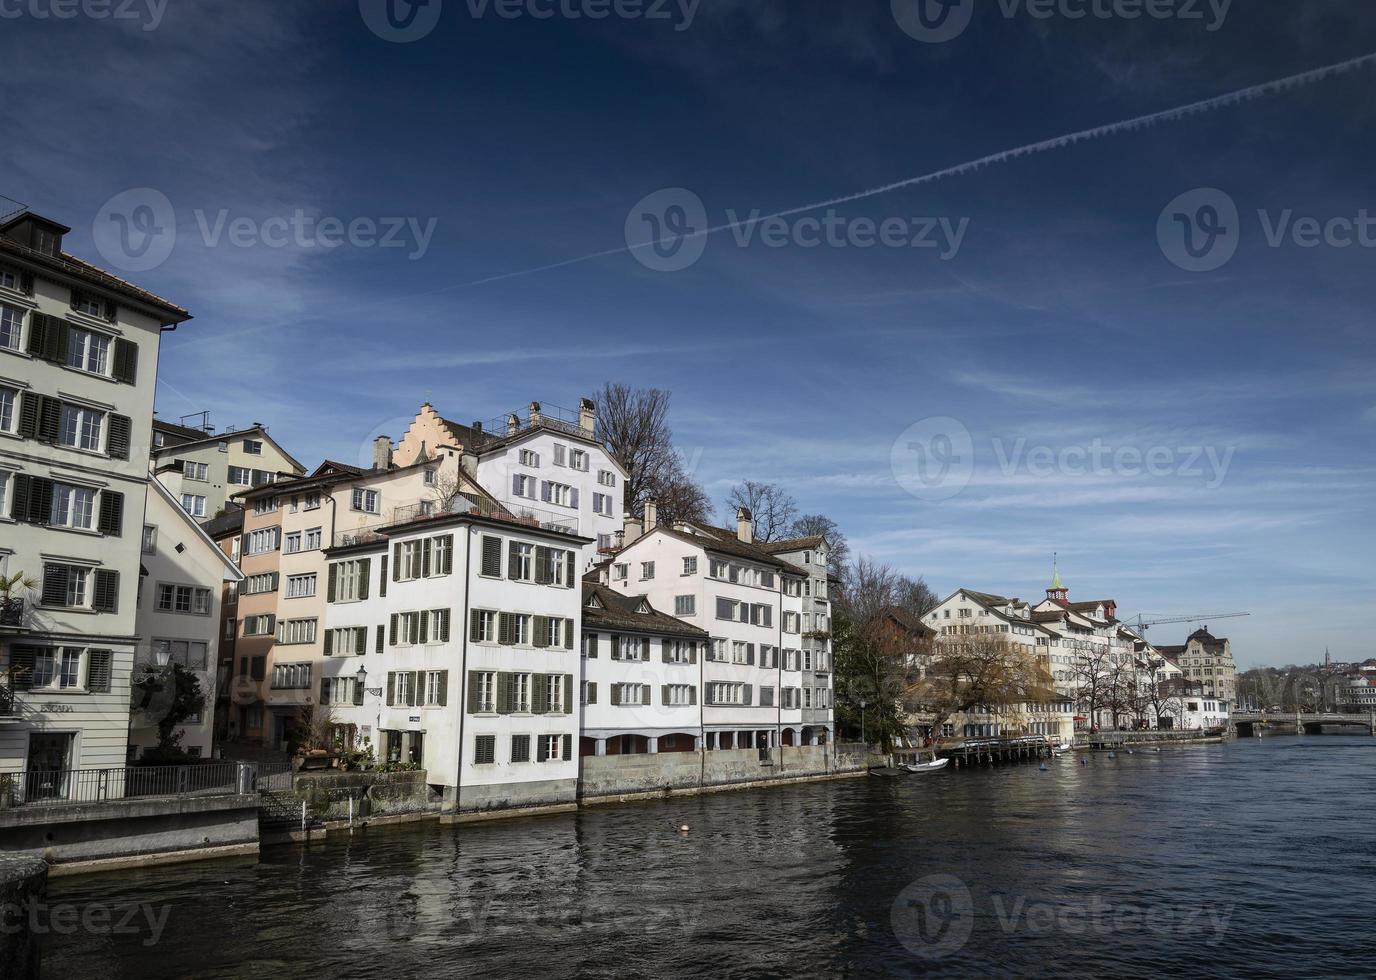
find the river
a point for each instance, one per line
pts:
(1255, 858)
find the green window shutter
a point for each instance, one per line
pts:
(592, 692)
(472, 692)
(55, 341)
(417, 695)
(329, 643)
(382, 578)
(391, 687)
(381, 638)
(392, 635)
(504, 694)
(49, 419)
(28, 415)
(442, 632)
(506, 628)
(21, 667)
(616, 647)
(111, 513)
(693, 652)
(330, 586)
(569, 694)
(365, 569)
(444, 688)
(570, 581)
(513, 560)
(568, 748)
(749, 694)
(474, 628)
(105, 596)
(126, 366)
(692, 695)
(542, 565)
(568, 634)
(426, 550)
(396, 561)
(542, 631)
(38, 333)
(492, 556)
(424, 617)
(98, 671)
(664, 646)
(361, 639)
(541, 749)
(448, 568)
(664, 694)
(539, 694)
(616, 694)
(121, 433)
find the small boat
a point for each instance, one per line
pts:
(920, 767)
(889, 772)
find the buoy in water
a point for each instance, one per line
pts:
(683, 828)
(1042, 767)
(1084, 760)
(1113, 755)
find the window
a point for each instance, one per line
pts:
(292, 544)
(255, 584)
(313, 500)
(590, 645)
(264, 505)
(647, 570)
(292, 631)
(429, 478)
(69, 668)
(183, 599)
(484, 750)
(150, 539)
(240, 476)
(550, 750)
(405, 628)
(81, 427)
(685, 605)
(680, 651)
(630, 694)
(520, 748)
(523, 486)
(193, 504)
(312, 539)
(190, 654)
(606, 478)
(436, 687)
(87, 304)
(350, 581)
(368, 501)
(602, 504)
(484, 690)
(44, 669)
(521, 563)
(72, 507)
(262, 541)
(578, 459)
(4, 498)
(346, 642)
(555, 694)
(192, 470)
(88, 351)
(258, 626)
(300, 586)
(8, 279)
(559, 493)
(520, 630)
(8, 417)
(518, 693)
(484, 626)
(253, 447)
(690, 565)
(553, 632)
(529, 457)
(11, 327)
(408, 565)
(291, 676)
(679, 694)
(620, 571)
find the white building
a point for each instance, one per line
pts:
(179, 606)
(463, 631)
(78, 366)
(750, 603)
(203, 469)
(1196, 712)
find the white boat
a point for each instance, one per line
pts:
(921, 767)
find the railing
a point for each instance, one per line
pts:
(540, 416)
(462, 504)
(11, 611)
(9, 704)
(52, 787)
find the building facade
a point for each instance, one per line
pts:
(1206, 665)
(78, 367)
(203, 473)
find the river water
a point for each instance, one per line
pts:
(1256, 858)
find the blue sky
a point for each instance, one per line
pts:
(1059, 324)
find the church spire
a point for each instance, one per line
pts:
(1057, 592)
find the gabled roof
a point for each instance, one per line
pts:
(724, 540)
(1206, 638)
(198, 531)
(605, 608)
(908, 620)
(205, 437)
(182, 431)
(794, 544)
(230, 522)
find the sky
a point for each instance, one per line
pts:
(1148, 350)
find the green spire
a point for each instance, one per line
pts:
(1056, 584)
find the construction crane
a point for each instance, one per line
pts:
(1142, 622)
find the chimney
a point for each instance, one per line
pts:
(619, 540)
(587, 417)
(513, 424)
(745, 525)
(651, 516)
(477, 428)
(382, 453)
(534, 414)
(634, 529)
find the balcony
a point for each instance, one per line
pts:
(538, 416)
(464, 503)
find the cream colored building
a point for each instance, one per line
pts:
(204, 469)
(78, 367)
(1206, 665)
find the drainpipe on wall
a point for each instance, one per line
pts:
(463, 661)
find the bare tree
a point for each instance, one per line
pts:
(821, 526)
(869, 586)
(773, 508)
(633, 423)
(980, 671)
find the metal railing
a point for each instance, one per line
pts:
(11, 611)
(53, 787)
(464, 503)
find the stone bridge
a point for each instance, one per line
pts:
(1300, 723)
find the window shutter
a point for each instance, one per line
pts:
(111, 513)
(424, 620)
(592, 692)
(516, 484)
(54, 585)
(750, 654)
(276, 581)
(331, 583)
(380, 638)
(492, 556)
(541, 748)
(448, 568)
(417, 695)
(396, 561)
(616, 647)
(444, 688)
(591, 647)
(105, 596)
(425, 552)
(111, 311)
(26, 283)
(568, 694)
(749, 695)
(475, 628)
(568, 747)
(568, 634)
(542, 565)
(645, 649)
(539, 694)
(513, 560)
(664, 693)
(692, 653)
(506, 628)
(392, 634)
(391, 688)
(544, 490)
(38, 333)
(19, 495)
(573, 498)
(329, 643)
(49, 419)
(98, 671)
(40, 500)
(692, 695)
(21, 667)
(121, 432)
(365, 569)
(542, 631)
(442, 629)
(616, 694)
(126, 367)
(28, 415)
(569, 581)
(382, 577)
(472, 692)
(503, 694)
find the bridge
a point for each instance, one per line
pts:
(1300, 723)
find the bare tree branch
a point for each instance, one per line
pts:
(772, 506)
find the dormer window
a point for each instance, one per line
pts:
(46, 240)
(83, 303)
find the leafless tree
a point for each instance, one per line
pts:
(633, 423)
(980, 671)
(773, 508)
(869, 586)
(819, 525)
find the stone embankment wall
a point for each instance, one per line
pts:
(374, 794)
(23, 889)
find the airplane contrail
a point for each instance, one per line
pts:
(1248, 94)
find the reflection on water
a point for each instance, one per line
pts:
(1257, 857)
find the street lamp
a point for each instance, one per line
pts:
(862, 722)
